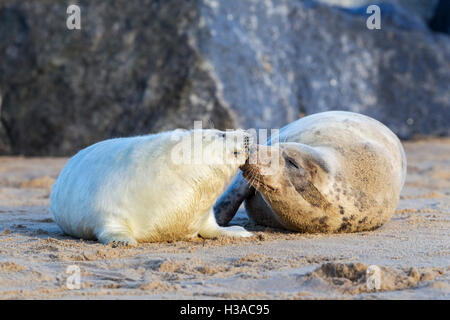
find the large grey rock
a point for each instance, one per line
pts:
(145, 66)
(130, 70)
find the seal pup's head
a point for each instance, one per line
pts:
(209, 153)
(229, 148)
(210, 147)
(289, 176)
(193, 169)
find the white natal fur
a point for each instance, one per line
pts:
(130, 190)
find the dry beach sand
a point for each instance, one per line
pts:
(412, 250)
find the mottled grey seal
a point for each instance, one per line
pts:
(337, 172)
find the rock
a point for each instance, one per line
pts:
(131, 69)
(441, 19)
(399, 76)
(143, 66)
(326, 59)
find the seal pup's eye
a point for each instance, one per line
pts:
(222, 134)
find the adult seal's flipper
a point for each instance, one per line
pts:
(228, 204)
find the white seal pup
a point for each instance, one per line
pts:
(149, 188)
(337, 172)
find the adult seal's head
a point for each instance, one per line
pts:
(291, 176)
(329, 172)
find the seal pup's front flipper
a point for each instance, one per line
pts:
(210, 229)
(230, 201)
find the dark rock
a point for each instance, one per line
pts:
(130, 70)
(400, 77)
(145, 66)
(441, 19)
(302, 58)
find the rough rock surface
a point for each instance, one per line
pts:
(129, 70)
(145, 66)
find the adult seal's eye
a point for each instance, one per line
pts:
(292, 163)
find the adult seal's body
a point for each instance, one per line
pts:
(148, 188)
(337, 172)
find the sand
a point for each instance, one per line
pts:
(411, 252)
